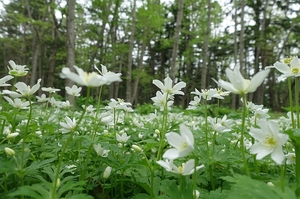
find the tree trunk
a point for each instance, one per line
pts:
(70, 42)
(258, 96)
(139, 71)
(205, 47)
(176, 40)
(129, 67)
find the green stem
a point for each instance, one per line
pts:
(242, 135)
(24, 138)
(297, 101)
(282, 176)
(210, 166)
(291, 102)
(70, 138)
(181, 184)
(195, 177)
(163, 129)
(297, 154)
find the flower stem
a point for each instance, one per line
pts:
(210, 164)
(25, 136)
(282, 176)
(163, 129)
(291, 102)
(297, 101)
(70, 138)
(242, 135)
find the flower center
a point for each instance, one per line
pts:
(287, 60)
(295, 70)
(180, 169)
(88, 76)
(270, 141)
(183, 145)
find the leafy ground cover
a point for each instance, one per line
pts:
(53, 149)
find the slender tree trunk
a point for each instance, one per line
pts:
(70, 42)
(235, 48)
(205, 47)
(176, 39)
(129, 67)
(140, 68)
(258, 96)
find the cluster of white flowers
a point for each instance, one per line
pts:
(165, 97)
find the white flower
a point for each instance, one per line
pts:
(42, 98)
(168, 88)
(68, 126)
(3, 80)
(17, 70)
(185, 169)
(238, 84)
(160, 100)
(183, 144)
(74, 90)
(66, 104)
(261, 113)
(17, 103)
(92, 79)
(23, 90)
(195, 103)
(288, 71)
(270, 141)
(207, 94)
(100, 150)
(290, 158)
(50, 89)
(123, 138)
(108, 76)
(83, 78)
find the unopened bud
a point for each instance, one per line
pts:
(270, 184)
(107, 172)
(12, 135)
(9, 151)
(57, 183)
(136, 148)
(157, 131)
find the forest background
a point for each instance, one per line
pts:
(189, 40)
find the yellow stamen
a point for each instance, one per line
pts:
(295, 70)
(183, 145)
(270, 141)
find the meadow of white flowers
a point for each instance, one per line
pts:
(54, 149)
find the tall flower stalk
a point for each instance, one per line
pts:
(239, 85)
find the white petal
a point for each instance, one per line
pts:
(277, 155)
(159, 84)
(258, 134)
(171, 154)
(257, 80)
(174, 139)
(283, 68)
(188, 167)
(228, 86)
(260, 150)
(187, 134)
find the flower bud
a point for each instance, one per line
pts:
(12, 135)
(9, 151)
(107, 172)
(270, 184)
(136, 148)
